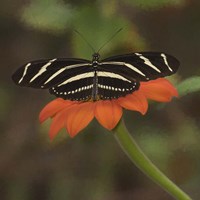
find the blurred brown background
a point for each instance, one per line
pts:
(92, 166)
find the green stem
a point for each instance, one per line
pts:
(143, 163)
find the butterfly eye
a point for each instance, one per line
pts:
(95, 57)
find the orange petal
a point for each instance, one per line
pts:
(58, 123)
(108, 113)
(159, 90)
(79, 117)
(135, 101)
(52, 108)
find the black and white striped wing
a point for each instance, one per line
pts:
(47, 73)
(78, 87)
(66, 78)
(142, 66)
(112, 85)
(79, 79)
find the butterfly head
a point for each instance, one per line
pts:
(95, 57)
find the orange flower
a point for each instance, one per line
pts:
(76, 115)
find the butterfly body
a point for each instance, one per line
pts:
(83, 80)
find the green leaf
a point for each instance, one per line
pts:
(189, 85)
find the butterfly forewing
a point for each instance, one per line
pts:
(142, 66)
(47, 73)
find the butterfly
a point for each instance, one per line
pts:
(82, 80)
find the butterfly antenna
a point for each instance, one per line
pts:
(109, 39)
(85, 40)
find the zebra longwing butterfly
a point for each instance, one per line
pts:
(82, 80)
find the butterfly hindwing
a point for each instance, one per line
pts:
(78, 87)
(112, 85)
